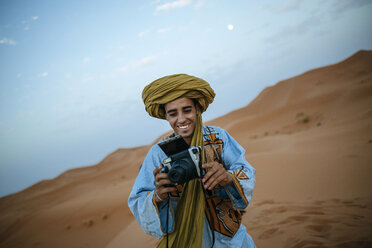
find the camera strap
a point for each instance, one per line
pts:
(167, 217)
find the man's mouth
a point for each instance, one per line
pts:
(183, 126)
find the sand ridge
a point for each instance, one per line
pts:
(309, 137)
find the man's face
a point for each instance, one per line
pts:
(181, 115)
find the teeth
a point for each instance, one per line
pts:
(183, 127)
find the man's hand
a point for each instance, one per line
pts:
(216, 174)
(161, 179)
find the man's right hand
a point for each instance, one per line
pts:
(161, 180)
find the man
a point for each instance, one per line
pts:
(202, 212)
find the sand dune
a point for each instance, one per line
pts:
(309, 137)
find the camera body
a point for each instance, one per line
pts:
(183, 163)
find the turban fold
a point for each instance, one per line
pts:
(169, 88)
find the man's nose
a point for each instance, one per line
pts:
(181, 117)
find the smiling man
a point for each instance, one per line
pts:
(202, 212)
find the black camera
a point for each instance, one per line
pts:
(183, 162)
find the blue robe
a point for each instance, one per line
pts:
(152, 217)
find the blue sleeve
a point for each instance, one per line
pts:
(242, 173)
(150, 216)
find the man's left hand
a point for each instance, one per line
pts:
(216, 174)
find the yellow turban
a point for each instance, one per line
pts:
(169, 88)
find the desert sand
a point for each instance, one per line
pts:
(309, 137)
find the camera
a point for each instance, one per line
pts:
(183, 162)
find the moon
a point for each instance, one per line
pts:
(230, 27)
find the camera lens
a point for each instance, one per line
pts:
(181, 171)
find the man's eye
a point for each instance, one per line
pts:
(187, 110)
(173, 114)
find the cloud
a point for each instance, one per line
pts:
(7, 41)
(86, 60)
(44, 74)
(5, 26)
(143, 33)
(199, 4)
(290, 5)
(341, 5)
(163, 30)
(87, 78)
(145, 61)
(123, 69)
(27, 23)
(146, 32)
(26, 114)
(140, 63)
(296, 29)
(173, 5)
(285, 6)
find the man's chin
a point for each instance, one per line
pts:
(184, 134)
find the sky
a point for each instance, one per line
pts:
(72, 72)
